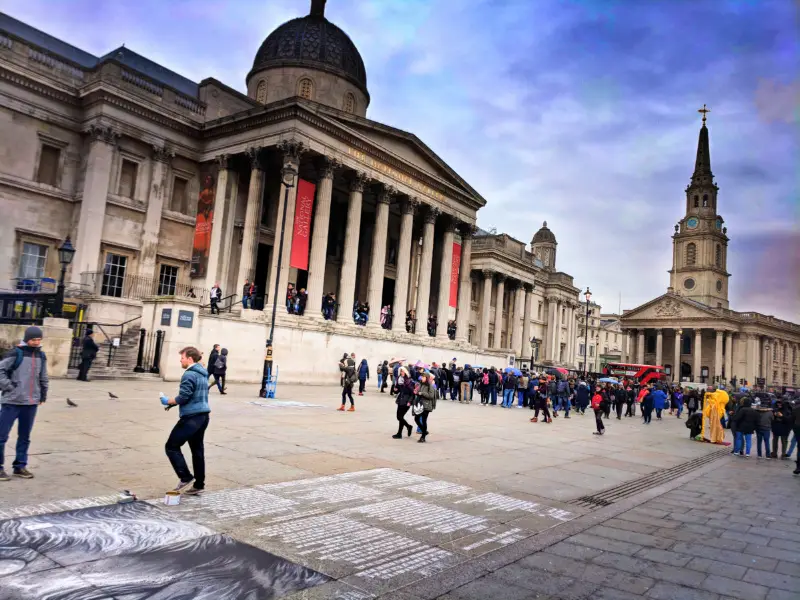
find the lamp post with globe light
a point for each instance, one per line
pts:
(65, 253)
(588, 295)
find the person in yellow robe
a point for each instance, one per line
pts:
(714, 402)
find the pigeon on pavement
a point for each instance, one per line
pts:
(110, 395)
(71, 403)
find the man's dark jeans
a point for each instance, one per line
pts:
(190, 429)
(24, 414)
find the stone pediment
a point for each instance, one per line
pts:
(670, 307)
(408, 148)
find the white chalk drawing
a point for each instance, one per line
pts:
(58, 506)
(285, 404)
(438, 488)
(503, 503)
(334, 537)
(421, 516)
(502, 539)
(386, 478)
(238, 504)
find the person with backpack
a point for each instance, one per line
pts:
(212, 359)
(220, 368)
(484, 387)
(363, 375)
(466, 385)
(89, 349)
(23, 385)
(455, 384)
(562, 390)
(493, 380)
(348, 368)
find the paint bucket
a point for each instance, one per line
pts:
(172, 498)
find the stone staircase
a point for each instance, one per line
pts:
(123, 360)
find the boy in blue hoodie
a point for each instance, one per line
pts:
(192, 400)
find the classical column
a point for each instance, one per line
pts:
(403, 265)
(464, 284)
(659, 347)
(226, 244)
(292, 151)
(215, 250)
(728, 355)
(640, 348)
(424, 291)
(252, 219)
(526, 323)
(512, 314)
(752, 359)
(698, 354)
(445, 271)
(377, 263)
(631, 353)
(155, 205)
(347, 280)
(486, 304)
(764, 358)
(676, 365)
(718, 354)
(319, 237)
(549, 336)
(498, 310)
(93, 201)
(519, 316)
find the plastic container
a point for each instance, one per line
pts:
(172, 498)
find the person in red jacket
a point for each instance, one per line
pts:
(597, 399)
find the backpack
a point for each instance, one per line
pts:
(219, 364)
(485, 379)
(18, 359)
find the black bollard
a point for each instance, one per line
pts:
(139, 368)
(157, 354)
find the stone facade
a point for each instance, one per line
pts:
(691, 330)
(167, 186)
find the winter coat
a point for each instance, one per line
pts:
(363, 370)
(659, 399)
(782, 423)
(212, 359)
(796, 420)
(192, 397)
(28, 383)
(89, 349)
(582, 396)
(765, 418)
(427, 396)
(492, 378)
(746, 419)
(510, 382)
(405, 391)
(597, 401)
(221, 364)
(648, 402)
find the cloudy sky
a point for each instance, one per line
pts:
(581, 113)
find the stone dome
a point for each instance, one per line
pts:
(313, 42)
(544, 235)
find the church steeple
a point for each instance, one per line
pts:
(702, 165)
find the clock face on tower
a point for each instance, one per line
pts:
(692, 223)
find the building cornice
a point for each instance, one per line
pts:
(35, 188)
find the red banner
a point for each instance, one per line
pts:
(454, 269)
(301, 235)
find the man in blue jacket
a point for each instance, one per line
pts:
(192, 400)
(24, 384)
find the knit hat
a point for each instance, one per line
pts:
(31, 333)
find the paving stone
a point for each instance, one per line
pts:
(731, 557)
(722, 544)
(783, 525)
(774, 580)
(776, 553)
(785, 545)
(664, 557)
(775, 533)
(630, 526)
(643, 539)
(574, 551)
(648, 520)
(781, 595)
(729, 525)
(706, 565)
(484, 588)
(612, 594)
(605, 544)
(734, 588)
(633, 583)
(652, 569)
(688, 518)
(670, 591)
(745, 537)
(552, 564)
(545, 583)
(788, 568)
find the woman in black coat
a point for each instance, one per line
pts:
(746, 419)
(781, 427)
(404, 399)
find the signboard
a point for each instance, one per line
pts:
(761, 381)
(185, 319)
(301, 235)
(268, 356)
(166, 317)
(115, 342)
(454, 272)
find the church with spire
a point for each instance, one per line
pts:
(691, 330)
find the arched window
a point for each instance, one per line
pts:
(691, 253)
(718, 256)
(305, 88)
(705, 200)
(697, 201)
(261, 92)
(349, 103)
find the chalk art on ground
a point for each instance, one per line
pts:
(136, 552)
(58, 506)
(285, 404)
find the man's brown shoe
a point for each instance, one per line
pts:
(4, 476)
(23, 473)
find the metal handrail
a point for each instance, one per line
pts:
(219, 303)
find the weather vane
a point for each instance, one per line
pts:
(705, 111)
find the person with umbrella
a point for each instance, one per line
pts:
(541, 402)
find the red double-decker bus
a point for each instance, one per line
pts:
(644, 374)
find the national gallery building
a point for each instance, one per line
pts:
(166, 186)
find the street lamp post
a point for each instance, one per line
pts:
(588, 295)
(288, 174)
(65, 253)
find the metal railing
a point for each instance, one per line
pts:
(148, 357)
(223, 305)
(131, 287)
(27, 307)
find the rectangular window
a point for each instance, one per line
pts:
(32, 261)
(539, 312)
(114, 275)
(491, 340)
(563, 315)
(615, 338)
(127, 178)
(471, 334)
(178, 201)
(167, 280)
(581, 350)
(591, 351)
(48, 165)
(605, 350)
(606, 336)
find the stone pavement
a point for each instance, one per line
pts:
(309, 503)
